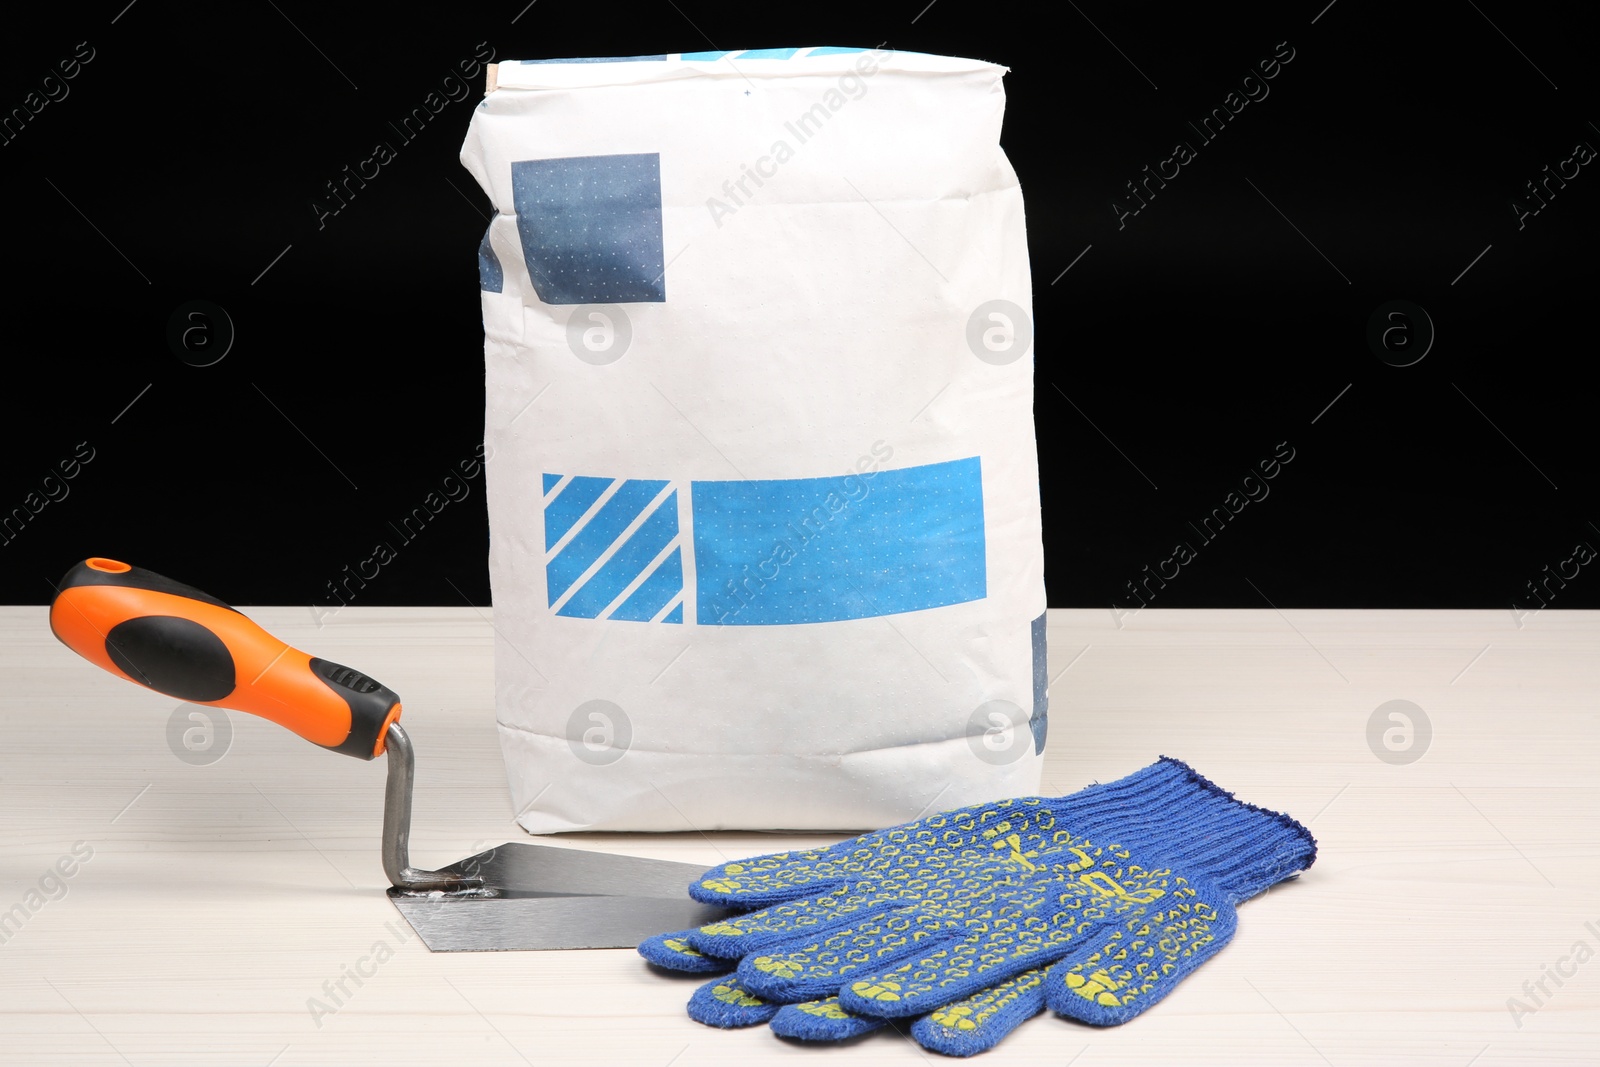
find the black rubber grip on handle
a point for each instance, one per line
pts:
(370, 703)
(135, 578)
(188, 644)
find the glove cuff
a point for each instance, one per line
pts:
(1170, 811)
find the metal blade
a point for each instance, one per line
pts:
(545, 897)
(501, 924)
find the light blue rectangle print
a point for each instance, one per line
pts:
(854, 546)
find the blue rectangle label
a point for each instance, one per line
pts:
(853, 546)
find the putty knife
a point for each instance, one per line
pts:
(188, 644)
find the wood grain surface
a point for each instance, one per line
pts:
(216, 900)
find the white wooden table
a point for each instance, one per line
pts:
(216, 900)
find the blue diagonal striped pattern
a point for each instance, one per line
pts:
(663, 586)
(612, 542)
(569, 506)
(628, 562)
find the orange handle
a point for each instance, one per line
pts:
(187, 644)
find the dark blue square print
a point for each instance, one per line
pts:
(591, 227)
(491, 279)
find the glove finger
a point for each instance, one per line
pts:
(815, 917)
(940, 843)
(1140, 962)
(999, 944)
(941, 890)
(771, 879)
(674, 952)
(950, 973)
(822, 1020)
(977, 1023)
(725, 1003)
(780, 923)
(809, 968)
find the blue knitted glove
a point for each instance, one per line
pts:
(1096, 904)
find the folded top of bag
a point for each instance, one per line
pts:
(629, 70)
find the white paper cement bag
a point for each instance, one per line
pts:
(763, 491)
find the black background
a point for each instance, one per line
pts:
(1176, 353)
